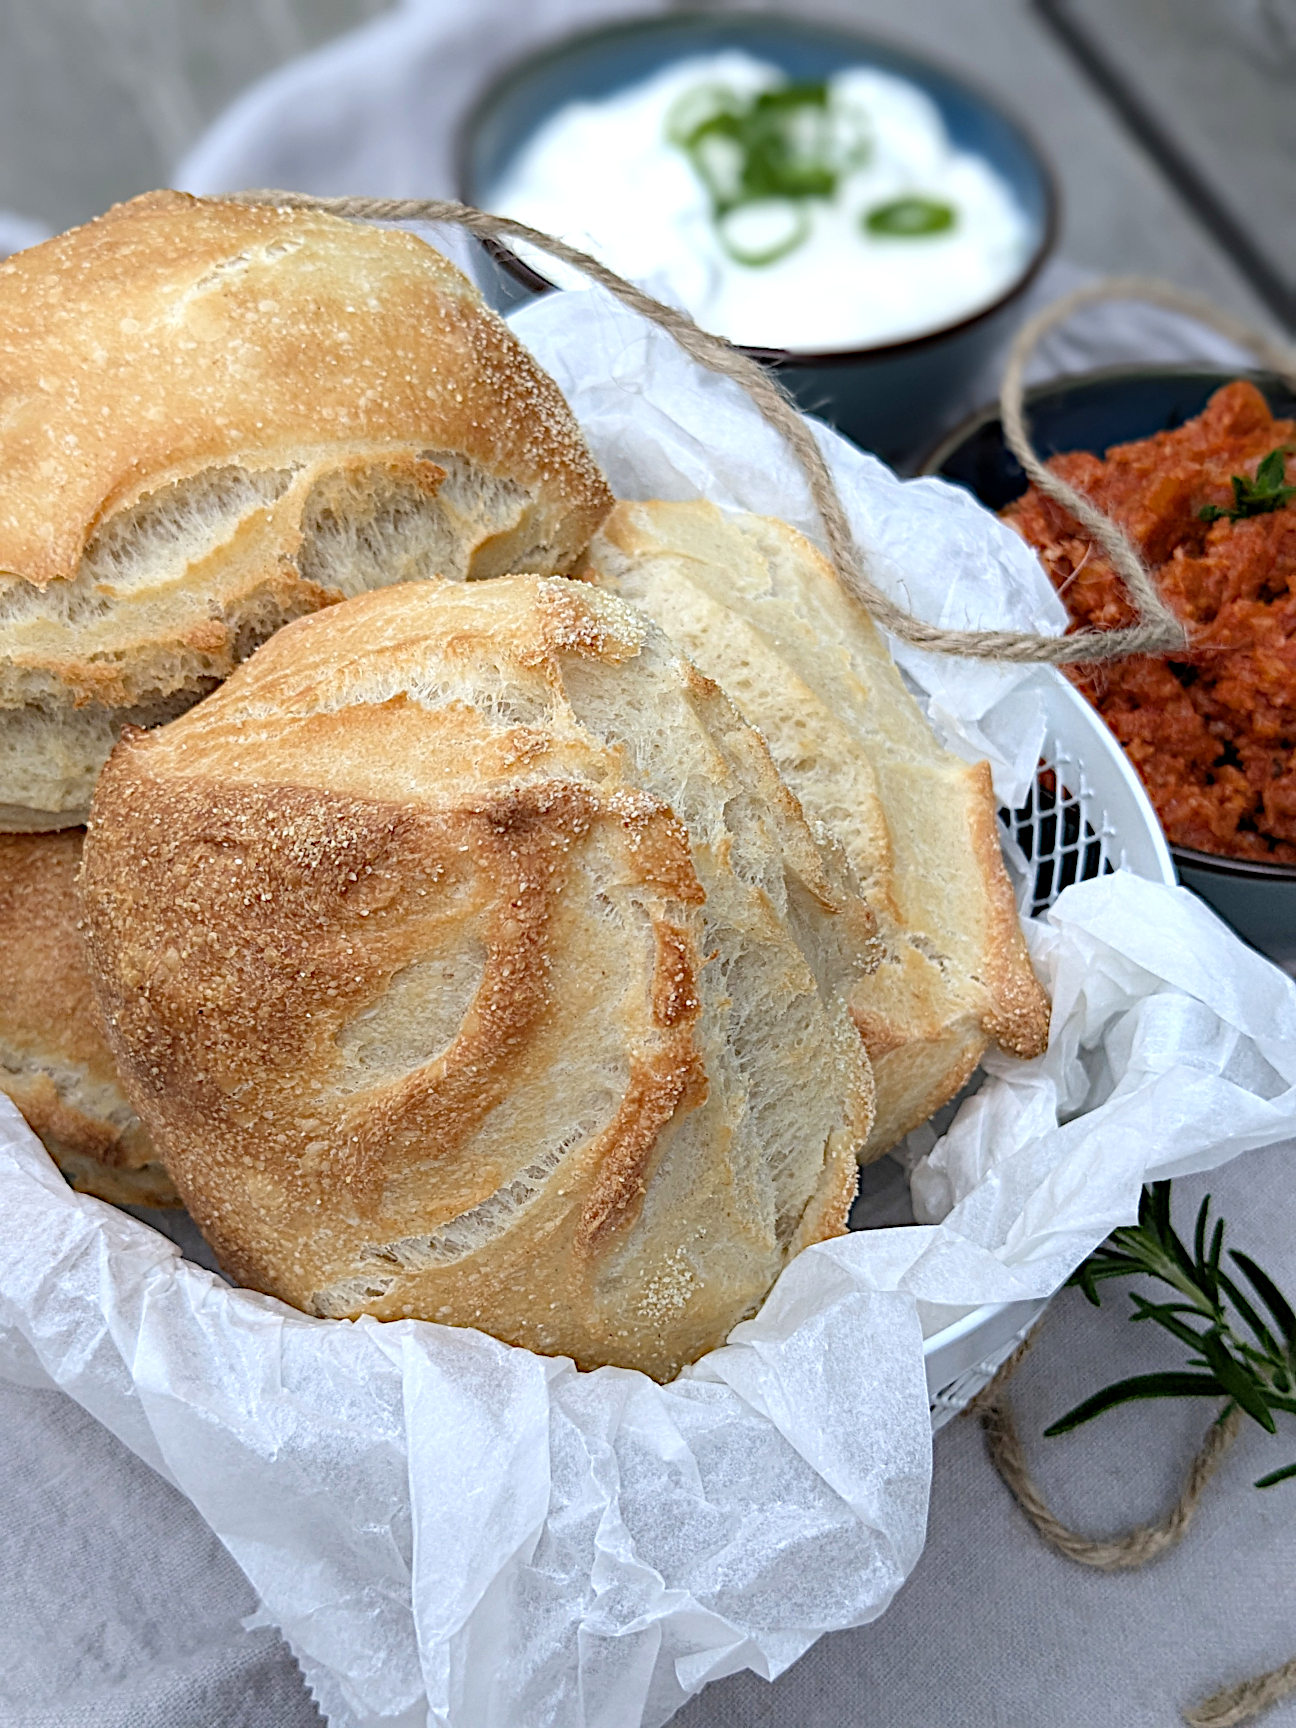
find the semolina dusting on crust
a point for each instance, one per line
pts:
(467, 959)
(217, 418)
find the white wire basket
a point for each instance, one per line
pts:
(1086, 815)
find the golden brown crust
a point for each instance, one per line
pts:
(438, 1006)
(215, 419)
(658, 1091)
(54, 1064)
(177, 333)
(1017, 1011)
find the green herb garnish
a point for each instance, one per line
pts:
(1255, 497)
(695, 107)
(910, 218)
(763, 231)
(765, 156)
(1256, 1377)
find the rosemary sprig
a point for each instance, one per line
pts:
(1252, 1365)
(1255, 497)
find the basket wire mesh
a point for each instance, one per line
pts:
(1085, 816)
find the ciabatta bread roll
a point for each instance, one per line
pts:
(467, 959)
(758, 609)
(54, 1064)
(214, 419)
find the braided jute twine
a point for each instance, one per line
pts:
(1158, 631)
(1233, 1705)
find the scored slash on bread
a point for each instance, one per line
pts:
(54, 1065)
(467, 958)
(215, 418)
(753, 604)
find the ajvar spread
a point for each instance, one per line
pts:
(1213, 735)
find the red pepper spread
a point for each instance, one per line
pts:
(1213, 735)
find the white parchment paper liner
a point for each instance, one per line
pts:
(452, 1531)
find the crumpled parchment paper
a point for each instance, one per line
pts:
(451, 1531)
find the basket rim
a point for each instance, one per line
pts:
(1070, 720)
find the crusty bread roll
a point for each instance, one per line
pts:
(467, 959)
(53, 1063)
(214, 419)
(759, 610)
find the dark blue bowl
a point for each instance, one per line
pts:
(889, 397)
(1093, 412)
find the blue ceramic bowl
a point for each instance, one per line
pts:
(1093, 412)
(888, 397)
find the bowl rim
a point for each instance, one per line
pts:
(1122, 371)
(1208, 863)
(663, 23)
(1217, 864)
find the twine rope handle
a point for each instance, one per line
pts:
(1232, 1706)
(1157, 621)
(1136, 1547)
(1158, 631)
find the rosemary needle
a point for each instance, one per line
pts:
(1242, 1346)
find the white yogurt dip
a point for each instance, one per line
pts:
(630, 180)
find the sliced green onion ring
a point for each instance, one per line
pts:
(807, 93)
(764, 230)
(851, 133)
(719, 161)
(909, 218)
(694, 107)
